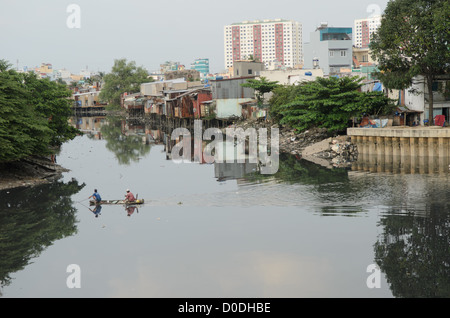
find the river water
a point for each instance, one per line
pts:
(221, 230)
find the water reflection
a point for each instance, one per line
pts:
(408, 202)
(89, 125)
(31, 219)
(385, 163)
(97, 210)
(414, 252)
(127, 143)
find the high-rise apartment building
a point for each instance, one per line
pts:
(363, 30)
(269, 41)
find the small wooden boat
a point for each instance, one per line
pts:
(117, 202)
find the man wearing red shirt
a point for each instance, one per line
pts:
(129, 197)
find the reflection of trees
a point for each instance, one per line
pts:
(414, 252)
(292, 170)
(31, 219)
(306, 172)
(127, 148)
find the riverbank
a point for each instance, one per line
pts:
(29, 172)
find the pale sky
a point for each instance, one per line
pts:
(149, 32)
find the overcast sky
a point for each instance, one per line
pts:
(149, 32)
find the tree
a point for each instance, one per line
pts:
(330, 103)
(51, 100)
(413, 40)
(34, 115)
(123, 78)
(20, 127)
(282, 95)
(261, 87)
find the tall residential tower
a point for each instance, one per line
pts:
(273, 42)
(363, 30)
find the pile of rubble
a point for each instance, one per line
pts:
(341, 152)
(289, 140)
(293, 143)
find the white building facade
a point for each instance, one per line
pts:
(330, 49)
(363, 30)
(269, 41)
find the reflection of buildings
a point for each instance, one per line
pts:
(89, 125)
(401, 165)
(224, 169)
(234, 170)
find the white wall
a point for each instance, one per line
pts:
(226, 108)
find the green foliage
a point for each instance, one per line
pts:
(33, 115)
(51, 100)
(376, 103)
(327, 103)
(282, 95)
(413, 39)
(125, 77)
(261, 87)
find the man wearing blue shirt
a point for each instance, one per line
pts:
(96, 196)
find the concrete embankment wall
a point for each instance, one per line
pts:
(395, 149)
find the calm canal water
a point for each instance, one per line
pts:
(221, 230)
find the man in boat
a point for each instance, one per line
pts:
(129, 197)
(96, 196)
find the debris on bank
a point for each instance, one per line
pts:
(341, 152)
(316, 144)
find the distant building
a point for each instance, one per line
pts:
(188, 75)
(85, 73)
(170, 66)
(247, 68)
(63, 74)
(363, 30)
(330, 48)
(267, 41)
(45, 68)
(292, 77)
(202, 66)
(363, 64)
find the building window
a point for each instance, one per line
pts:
(331, 53)
(343, 53)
